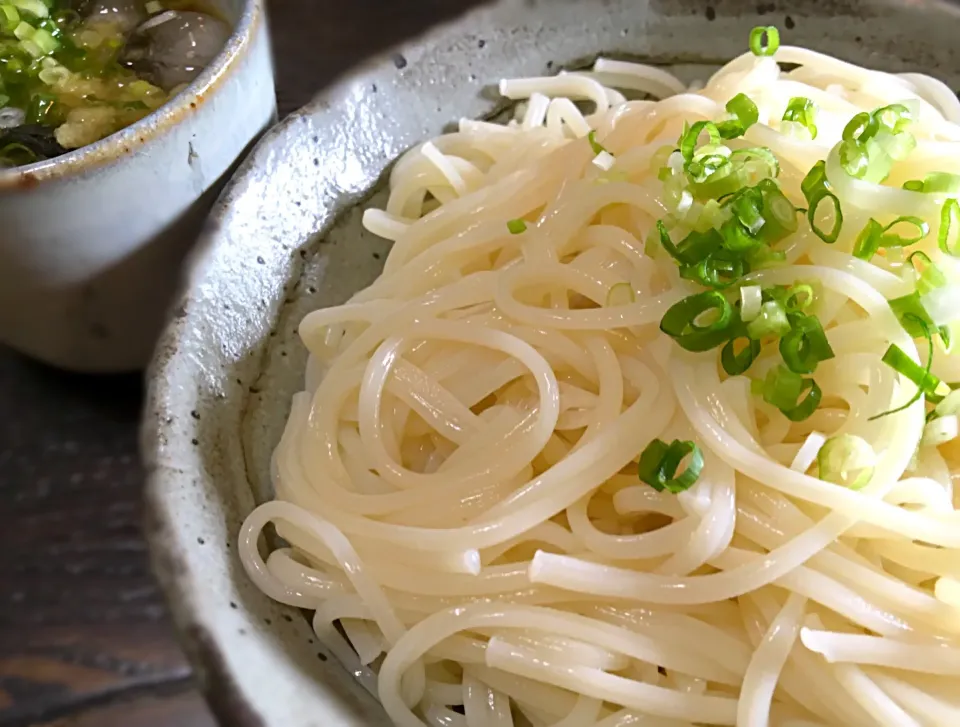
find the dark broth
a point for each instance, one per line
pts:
(75, 71)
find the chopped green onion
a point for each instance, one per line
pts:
(751, 298)
(949, 405)
(745, 114)
(32, 48)
(935, 183)
(927, 384)
(680, 321)
(46, 42)
(24, 31)
(783, 389)
(737, 363)
(688, 142)
(594, 144)
(895, 117)
(747, 209)
(659, 463)
(795, 299)
(9, 18)
(758, 35)
(716, 271)
(854, 159)
(911, 313)
(868, 241)
(693, 248)
(930, 276)
(805, 345)
(17, 154)
(861, 127)
(772, 321)
(816, 189)
(950, 223)
(891, 239)
(940, 431)
(873, 141)
(153, 7)
(34, 7)
(779, 214)
(802, 111)
(763, 257)
(605, 160)
(517, 226)
(620, 294)
(758, 162)
(846, 460)
(706, 166)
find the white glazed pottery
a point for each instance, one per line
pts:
(289, 240)
(92, 242)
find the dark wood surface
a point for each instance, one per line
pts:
(85, 640)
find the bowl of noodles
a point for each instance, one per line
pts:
(120, 123)
(630, 398)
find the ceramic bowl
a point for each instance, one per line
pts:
(289, 240)
(92, 242)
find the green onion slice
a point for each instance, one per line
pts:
(929, 275)
(854, 158)
(736, 363)
(772, 321)
(796, 397)
(802, 111)
(892, 239)
(868, 241)
(861, 128)
(927, 384)
(659, 463)
(718, 271)
(794, 299)
(681, 321)
(758, 35)
(594, 144)
(805, 345)
(516, 226)
(688, 142)
(895, 117)
(745, 114)
(751, 299)
(816, 189)
(846, 460)
(949, 236)
(911, 313)
(938, 183)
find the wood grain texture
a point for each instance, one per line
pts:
(84, 636)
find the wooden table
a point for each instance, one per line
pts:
(84, 636)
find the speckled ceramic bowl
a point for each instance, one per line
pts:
(289, 240)
(92, 243)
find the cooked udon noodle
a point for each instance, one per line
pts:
(458, 483)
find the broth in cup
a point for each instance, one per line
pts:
(75, 71)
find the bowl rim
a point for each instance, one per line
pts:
(129, 139)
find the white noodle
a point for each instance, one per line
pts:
(457, 485)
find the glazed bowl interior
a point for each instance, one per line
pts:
(289, 240)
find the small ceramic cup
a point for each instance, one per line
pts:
(92, 242)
